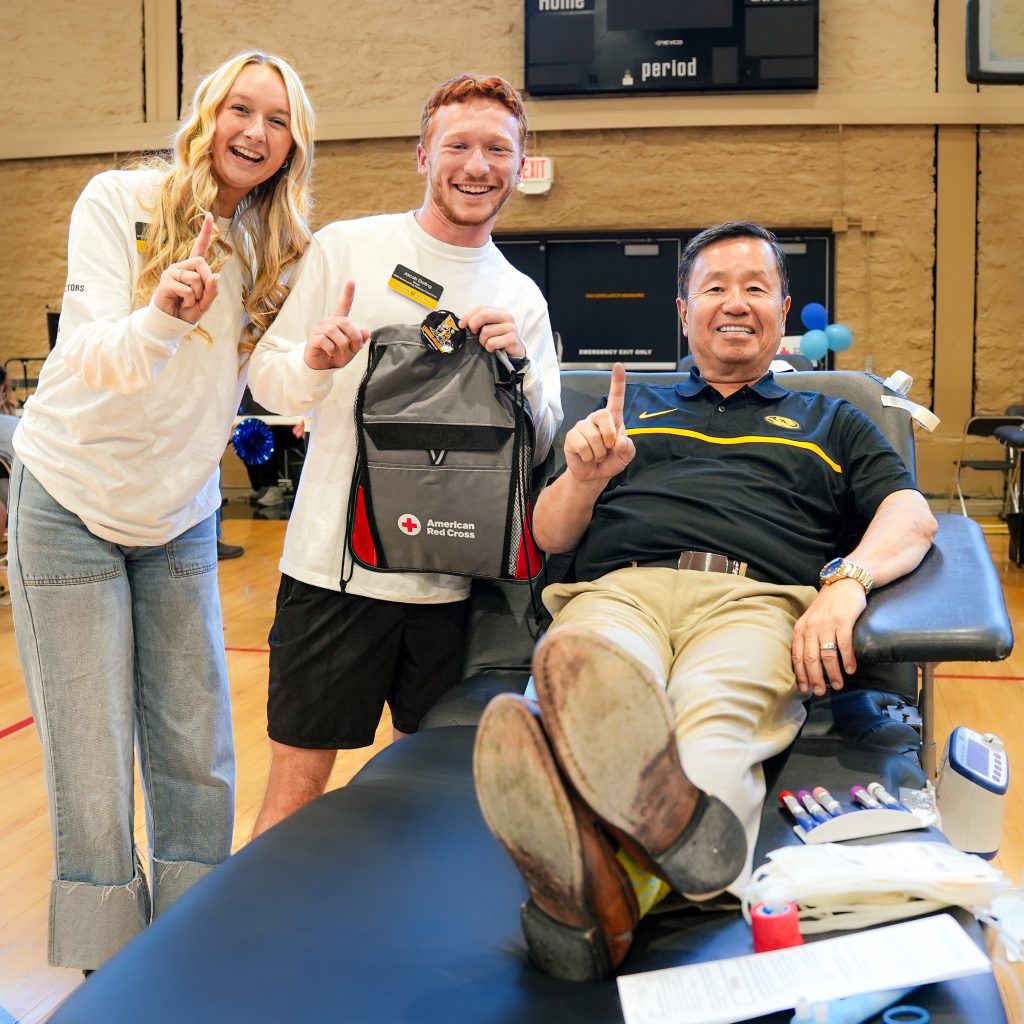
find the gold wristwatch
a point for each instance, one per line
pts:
(844, 569)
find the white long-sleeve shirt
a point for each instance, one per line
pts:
(131, 415)
(367, 251)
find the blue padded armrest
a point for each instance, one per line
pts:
(950, 608)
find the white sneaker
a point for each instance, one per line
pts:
(273, 496)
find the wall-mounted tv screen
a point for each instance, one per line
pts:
(579, 47)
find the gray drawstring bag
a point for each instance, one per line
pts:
(445, 450)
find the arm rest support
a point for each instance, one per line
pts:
(950, 608)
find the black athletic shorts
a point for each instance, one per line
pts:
(336, 658)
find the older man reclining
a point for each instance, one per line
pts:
(727, 532)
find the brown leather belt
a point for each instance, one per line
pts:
(704, 561)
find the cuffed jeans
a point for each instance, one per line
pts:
(721, 645)
(118, 645)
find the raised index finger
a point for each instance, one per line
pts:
(202, 242)
(348, 293)
(617, 393)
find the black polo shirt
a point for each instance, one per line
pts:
(782, 480)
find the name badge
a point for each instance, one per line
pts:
(415, 286)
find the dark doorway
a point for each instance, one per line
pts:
(613, 298)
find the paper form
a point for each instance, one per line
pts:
(727, 991)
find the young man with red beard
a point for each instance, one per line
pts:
(346, 640)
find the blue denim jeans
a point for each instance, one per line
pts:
(121, 646)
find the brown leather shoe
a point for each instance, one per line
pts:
(612, 732)
(582, 910)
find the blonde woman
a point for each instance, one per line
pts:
(175, 270)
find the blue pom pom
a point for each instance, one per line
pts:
(253, 441)
(814, 316)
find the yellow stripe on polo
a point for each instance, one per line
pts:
(747, 439)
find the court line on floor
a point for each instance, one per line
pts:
(7, 732)
(1001, 679)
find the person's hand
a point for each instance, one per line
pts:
(336, 339)
(597, 448)
(497, 330)
(186, 290)
(829, 621)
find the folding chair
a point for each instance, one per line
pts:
(1012, 439)
(985, 427)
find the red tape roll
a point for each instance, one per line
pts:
(775, 927)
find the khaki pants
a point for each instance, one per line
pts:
(721, 646)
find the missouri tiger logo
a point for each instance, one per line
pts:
(782, 421)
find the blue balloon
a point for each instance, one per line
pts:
(814, 316)
(840, 337)
(253, 441)
(814, 344)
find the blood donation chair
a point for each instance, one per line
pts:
(390, 901)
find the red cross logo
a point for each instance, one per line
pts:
(409, 524)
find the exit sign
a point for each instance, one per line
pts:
(537, 176)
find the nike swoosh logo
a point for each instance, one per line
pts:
(661, 412)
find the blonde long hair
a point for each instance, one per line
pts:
(271, 221)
